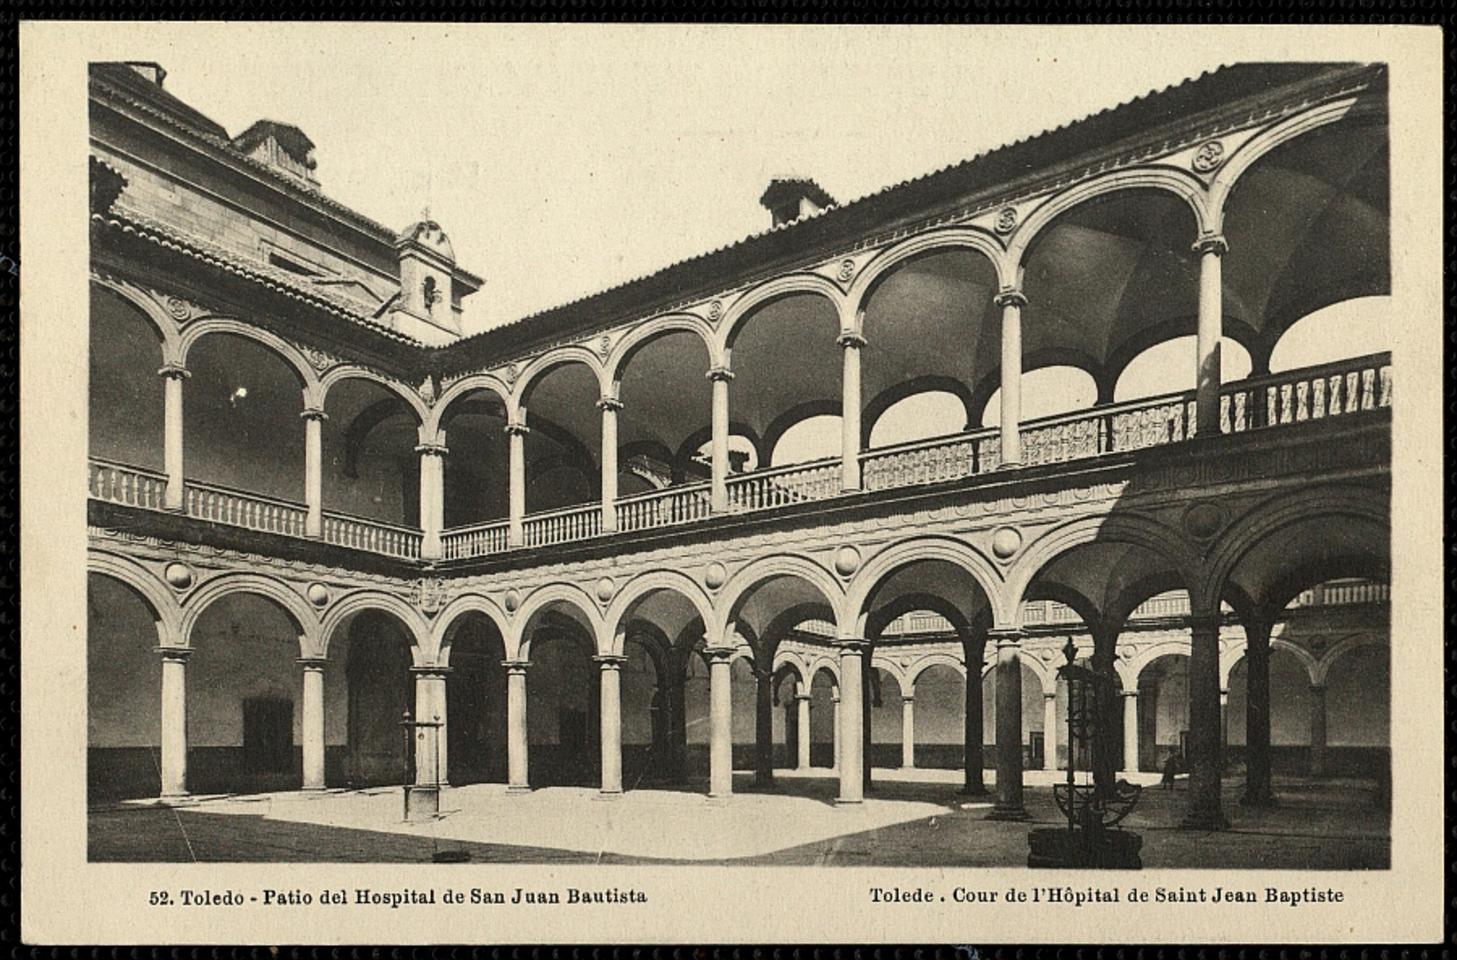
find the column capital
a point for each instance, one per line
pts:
(1205, 621)
(804, 696)
(1010, 298)
(1318, 689)
(908, 698)
(517, 428)
(516, 666)
(432, 670)
(172, 370)
(432, 449)
(180, 654)
(1006, 636)
(835, 695)
(1049, 694)
(850, 339)
(1211, 243)
(1129, 694)
(313, 413)
(721, 654)
(609, 403)
(609, 661)
(311, 663)
(856, 645)
(720, 374)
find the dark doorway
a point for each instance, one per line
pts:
(476, 691)
(379, 694)
(268, 736)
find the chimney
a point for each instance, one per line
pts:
(789, 198)
(151, 71)
(283, 147)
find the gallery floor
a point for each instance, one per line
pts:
(911, 818)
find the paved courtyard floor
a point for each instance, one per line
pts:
(910, 818)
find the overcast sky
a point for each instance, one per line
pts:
(562, 160)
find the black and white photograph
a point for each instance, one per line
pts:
(610, 448)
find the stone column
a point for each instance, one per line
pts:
(1049, 729)
(172, 376)
(720, 722)
(314, 471)
(611, 725)
(802, 702)
(1211, 324)
(1130, 731)
(908, 732)
(1009, 724)
(850, 345)
(1205, 811)
(835, 755)
(1258, 790)
(609, 407)
(973, 757)
(763, 725)
(432, 496)
(430, 763)
(1317, 730)
(173, 760)
(852, 721)
(1223, 725)
(1011, 303)
(516, 508)
(313, 722)
(516, 743)
(718, 491)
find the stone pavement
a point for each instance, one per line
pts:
(909, 818)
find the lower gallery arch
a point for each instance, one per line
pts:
(244, 685)
(475, 689)
(939, 691)
(123, 692)
(823, 719)
(367, 691)
(1034, 732)
(563, 702)
(1290, 712)
(1163, 712)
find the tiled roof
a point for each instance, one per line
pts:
(266, 275)
(1215, 92)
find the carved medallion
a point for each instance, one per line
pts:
(513, 601)
(847, 270)
(1005, 542)
(179, 576)
(847, 560)
(178, 309)
(715, 311)
(431, 594)
(604, 346)
(1208, 157)
(426, 390)
(605, 589)
(715, 576)
(1006, 221)
(318, 594)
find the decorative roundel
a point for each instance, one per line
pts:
(1202, 520)
(179, 575)
(178, 308)
(605, 589)
(318, 594)
(847, 560)
(513, 601)
(1005, 542)
(715, 576)
(1006, 220)
(847, 270)
(1208, 157)
(715, 310)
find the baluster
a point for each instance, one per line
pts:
(1353, 398)
(1302, 401)
(1385, 386)
(1317, 398)
(1368, 389)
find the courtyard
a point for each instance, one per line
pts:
(915, 817)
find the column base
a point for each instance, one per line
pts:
(608, 795)
(719, 799)
(517, 789)
(1000, 812)
(979, 790)
(168, 799)
(849, 801)
(313, 788)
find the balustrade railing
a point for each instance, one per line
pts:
(476, 540)
(120, 483)
(208, 501)
(1331, 390)
(782, 486)
(361, 534)
(1311, 393)
(930, 461)
(562, 526)
(663, 508)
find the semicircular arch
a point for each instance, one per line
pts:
(767, 292)
(949, 238)
(955, 552)
(163, 602)
(421, 652)
(220, 325)
(269, 588)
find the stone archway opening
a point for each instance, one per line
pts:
(476, 702)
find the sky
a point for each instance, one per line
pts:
(562, 161)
